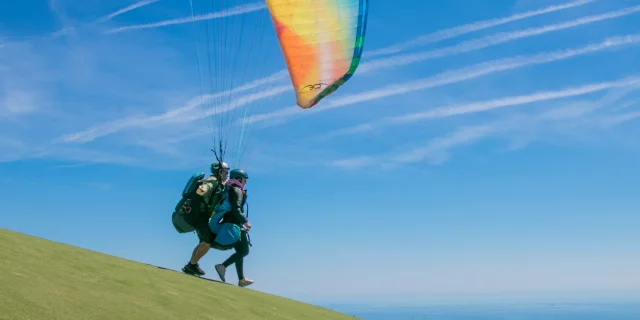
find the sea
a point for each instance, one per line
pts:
(546, 311)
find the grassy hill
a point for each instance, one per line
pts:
(41, 279)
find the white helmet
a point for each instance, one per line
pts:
(215, 167)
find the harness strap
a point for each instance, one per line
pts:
(247, 204)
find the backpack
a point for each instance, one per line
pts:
(227, 234)
(186, 211)
(221, 208)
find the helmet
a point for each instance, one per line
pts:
(237, 174)
(216, 166)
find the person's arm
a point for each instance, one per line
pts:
(235, 199)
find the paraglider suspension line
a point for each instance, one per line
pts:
(219, 159)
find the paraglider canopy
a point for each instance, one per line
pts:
(322, 42)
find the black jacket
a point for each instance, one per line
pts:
(237, 199)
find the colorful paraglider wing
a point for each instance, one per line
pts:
(321, 41)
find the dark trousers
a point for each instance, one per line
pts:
(242, 250)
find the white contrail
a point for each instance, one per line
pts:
(235, 103)
(489, 41)
(464, 47)
(397, 61)
(70, 30)
(511, 101)
(238, 10)
(472, 27)
(481, 106)
(180, 114)
(456, 76)
(127, 9)
(437, 149)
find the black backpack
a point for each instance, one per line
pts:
(187, 211)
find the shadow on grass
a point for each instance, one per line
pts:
(203, 278)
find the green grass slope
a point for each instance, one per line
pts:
(41, 279)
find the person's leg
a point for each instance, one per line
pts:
(195, 249)
(243, 252)
(201, 249)
(205, 236)
(237, 258)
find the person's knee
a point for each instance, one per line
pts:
(244, 245)
(243, 252)
(206, 237)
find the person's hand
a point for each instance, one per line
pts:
(247, 225)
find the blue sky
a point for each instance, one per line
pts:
(480, 150)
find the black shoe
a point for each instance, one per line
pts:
(193, 269)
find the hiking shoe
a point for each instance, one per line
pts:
(245, 282)
(221, 269)
(193, 269)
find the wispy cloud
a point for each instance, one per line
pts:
(373, 66)
(435, 150)
(484, 106)
(68, 154)
(12, 142)
(578, 109)
(491, 40)
(127, 9)
(182, 114)
(488, 105)
(12, 148)
(522, 128)
(151, 133)
(70, 166)
(238, 10)
(18, 102)
(21, 83)
(69, 29)
(471, 27)
(615, 120)
(457, 76)
(84, 155)
(63, 32)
